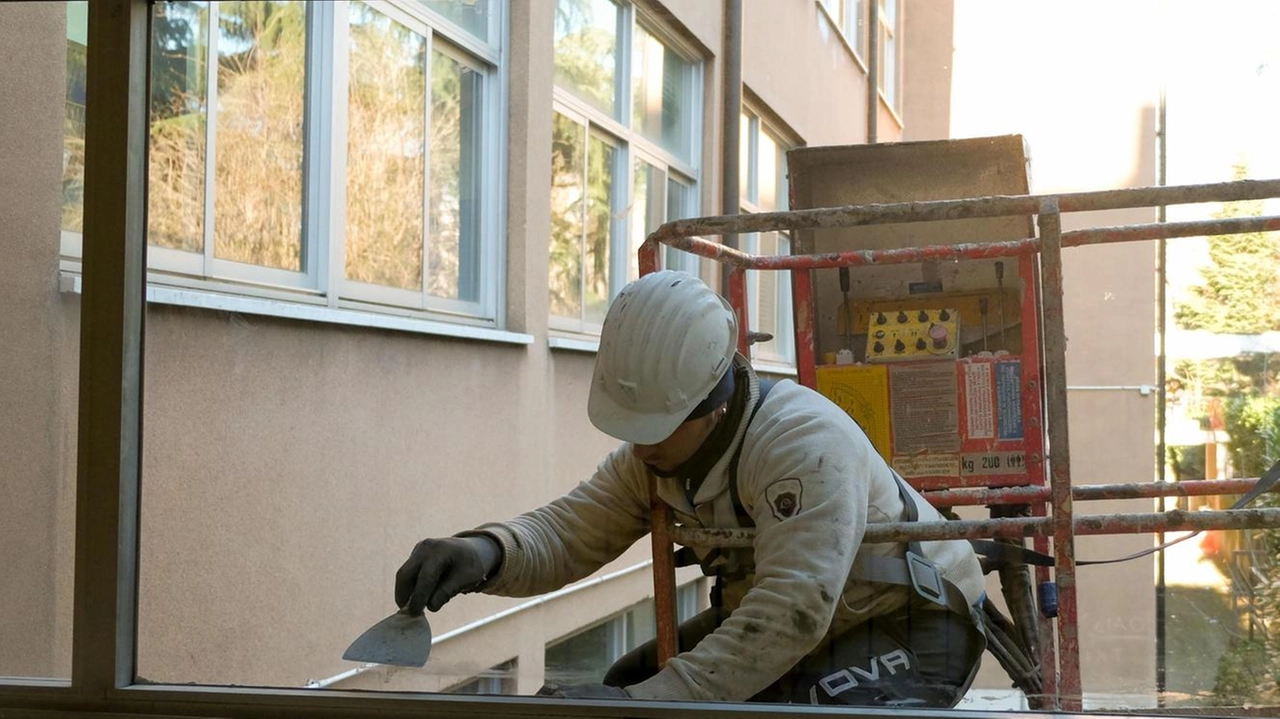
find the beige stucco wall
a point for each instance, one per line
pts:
(35, 450)
(1082, 87)
(814, 81)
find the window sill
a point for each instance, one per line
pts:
(586, 344)
(774, 368)
(69, 282)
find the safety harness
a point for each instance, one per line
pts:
(913, 570)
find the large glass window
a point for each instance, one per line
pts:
(889, 29)
(764, 189)
(850, 17)
(498, 680)
(375, 125)
(585, 656)
(623, 162)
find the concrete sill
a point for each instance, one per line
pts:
(70, 283)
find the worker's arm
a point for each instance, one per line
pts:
(803, 479)
(575, 535)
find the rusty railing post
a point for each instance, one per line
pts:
(1055, 359)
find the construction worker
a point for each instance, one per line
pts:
(810, 614)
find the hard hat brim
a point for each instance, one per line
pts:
(621, 423)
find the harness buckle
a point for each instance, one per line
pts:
(925, 578)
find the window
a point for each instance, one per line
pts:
(763, 187)
(586, 656)
(376, 125)
(888, 50)
(624, 153)
(850, 17)
(498, 680)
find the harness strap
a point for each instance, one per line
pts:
(914, 571)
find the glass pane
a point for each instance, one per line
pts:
(386, 143)
(261, 94)
(568, 164)
(179, 115)
(766, 172)
(680, 205)
(73, 121)
(599, 230)
(855, 25)
(648, 208)
(662, 95)
(39, 339)
(889, 64)
(456, 114)
(772, 305)
(471, 15)
(584, 657)
(745, 124)
(498, 680)
(586, 47)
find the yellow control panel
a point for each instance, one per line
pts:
(915, 334)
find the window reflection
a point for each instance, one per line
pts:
(456, 112)
(73, 120)
(648, 205)
(386, 143)
(568, 161)
(586, 48)
(661, 94)
(599, 229)
(471, 15)
(179, 125)
(261, 98)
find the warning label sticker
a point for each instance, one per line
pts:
(925, 408)
(980, 463)
(927, 465)
(1009, 399)
(979, 412)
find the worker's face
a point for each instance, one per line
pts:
(665, 456)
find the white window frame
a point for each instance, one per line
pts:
(850, 19)
(632, 145)
(892, 93)
(322, 280)
(784, 361)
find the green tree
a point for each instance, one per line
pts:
(1241, 290)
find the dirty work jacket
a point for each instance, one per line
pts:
(810, 479)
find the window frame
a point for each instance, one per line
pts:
(632, 146)
(856, 38)
(758, 121)
(322, 278)
(889, 30)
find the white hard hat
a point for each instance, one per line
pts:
(667, 341)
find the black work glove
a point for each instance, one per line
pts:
(439, 569)
(583, 691)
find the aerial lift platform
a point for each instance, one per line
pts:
(928, 303)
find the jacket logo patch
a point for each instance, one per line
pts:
(784, 498)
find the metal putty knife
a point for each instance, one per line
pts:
(402, 640)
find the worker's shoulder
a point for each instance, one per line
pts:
(790, 405)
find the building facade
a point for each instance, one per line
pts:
(382, 237)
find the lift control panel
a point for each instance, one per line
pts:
(928, 356)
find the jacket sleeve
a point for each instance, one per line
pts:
(803, 479)
(574, 535)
